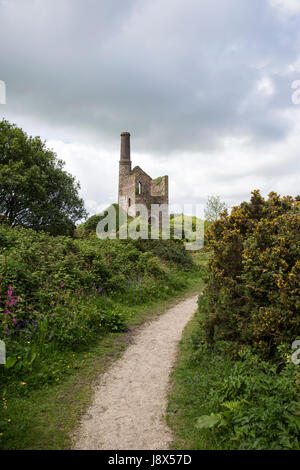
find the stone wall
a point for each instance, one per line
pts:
(160, 190)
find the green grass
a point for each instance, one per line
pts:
(43, 416)
(191, 382)
(259, 403)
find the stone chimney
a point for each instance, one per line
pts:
(125, 147)
(124, 164)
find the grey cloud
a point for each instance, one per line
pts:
(180, 75)
(174, 72)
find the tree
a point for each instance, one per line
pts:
(214, 207)
(35, 191)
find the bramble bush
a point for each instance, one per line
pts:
(252, 292)
(75, 289)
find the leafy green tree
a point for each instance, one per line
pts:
(214, 207)
(35, 191)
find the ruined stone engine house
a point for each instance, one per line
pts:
(135, 186)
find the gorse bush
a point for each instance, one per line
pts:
(252, 293)
(236, 385)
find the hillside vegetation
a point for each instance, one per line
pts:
(67, 284)
(60, 296)
(182, 227)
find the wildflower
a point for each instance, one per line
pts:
(9, 420)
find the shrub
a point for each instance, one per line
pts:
(168, 250)
(252, 294)
(64, 281)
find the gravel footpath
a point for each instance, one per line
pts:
(129, 405)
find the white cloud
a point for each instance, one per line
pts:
(265, 86)
(287, 7)
(96, 169)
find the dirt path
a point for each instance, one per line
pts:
(130, 402)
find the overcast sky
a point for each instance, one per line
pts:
(203, 86)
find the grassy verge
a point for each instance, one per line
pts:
(42, 415)
(188, 399)
(220, 402)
